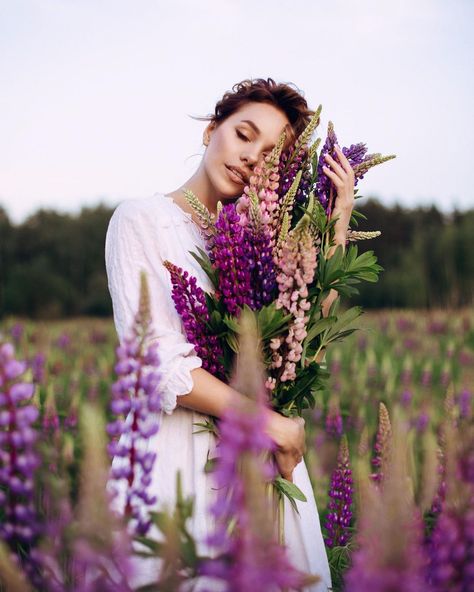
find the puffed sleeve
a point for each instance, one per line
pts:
(132, 244)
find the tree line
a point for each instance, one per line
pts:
(52, 264)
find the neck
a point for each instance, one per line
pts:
(200, 184)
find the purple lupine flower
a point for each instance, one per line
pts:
(452, 552)
(63, 341)
(406, 397)
(135, 395)
(18, 459)
(333, 424)
(323, 188)
(287, 172)
(231, 256)
(101, 546)
(37, 365)
(451, 544)
(465, 403)
(355, 154)
(136, 400)
(262, 266)
(17, 332)
(389, 555)
(339, 517)
(190, 303)
(250, 557)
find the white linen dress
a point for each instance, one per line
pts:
(143, 233)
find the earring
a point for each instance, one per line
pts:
(206, 140)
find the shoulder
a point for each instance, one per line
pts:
(138, 215)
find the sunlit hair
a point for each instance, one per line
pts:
(284, 96)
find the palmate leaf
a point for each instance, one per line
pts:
(291, 398)
(271, 321)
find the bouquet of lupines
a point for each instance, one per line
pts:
(268, 252)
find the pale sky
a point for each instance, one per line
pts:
(95, 95)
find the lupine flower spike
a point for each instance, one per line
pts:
(19, 460)
(190, 302)
(382, 445)
(250, 556)
(339, 516)
(136, 401)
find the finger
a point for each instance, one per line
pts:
(343, 160)
(336, 167)
(338, 182)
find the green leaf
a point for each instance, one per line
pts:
(291, 489)
(205, 263)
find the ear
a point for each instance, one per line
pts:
(207, 133)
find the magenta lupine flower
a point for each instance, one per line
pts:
(18, 459)
(338, 519)
(190, 303)
(231, 258)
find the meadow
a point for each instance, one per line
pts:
(390, 439)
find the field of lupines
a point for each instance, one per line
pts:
(390, 453)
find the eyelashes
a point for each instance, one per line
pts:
(242, 137)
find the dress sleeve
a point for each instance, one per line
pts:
(132, 244)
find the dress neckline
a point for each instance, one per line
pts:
(186, 214)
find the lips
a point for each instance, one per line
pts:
(235, 175)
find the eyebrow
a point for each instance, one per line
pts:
(252, 125)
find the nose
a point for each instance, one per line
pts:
(250, 157)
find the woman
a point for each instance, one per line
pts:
(142, 234)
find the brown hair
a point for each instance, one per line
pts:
(281, 95)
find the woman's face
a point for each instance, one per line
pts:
(240, 141)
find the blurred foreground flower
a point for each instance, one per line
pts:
(251, 557)
(389, 554)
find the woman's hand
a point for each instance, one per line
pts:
(288, 434)
(343, 178)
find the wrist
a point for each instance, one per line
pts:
(274, 426)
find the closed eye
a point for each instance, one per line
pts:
(241, 136)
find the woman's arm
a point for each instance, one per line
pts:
(211, 396)
(343, 178)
